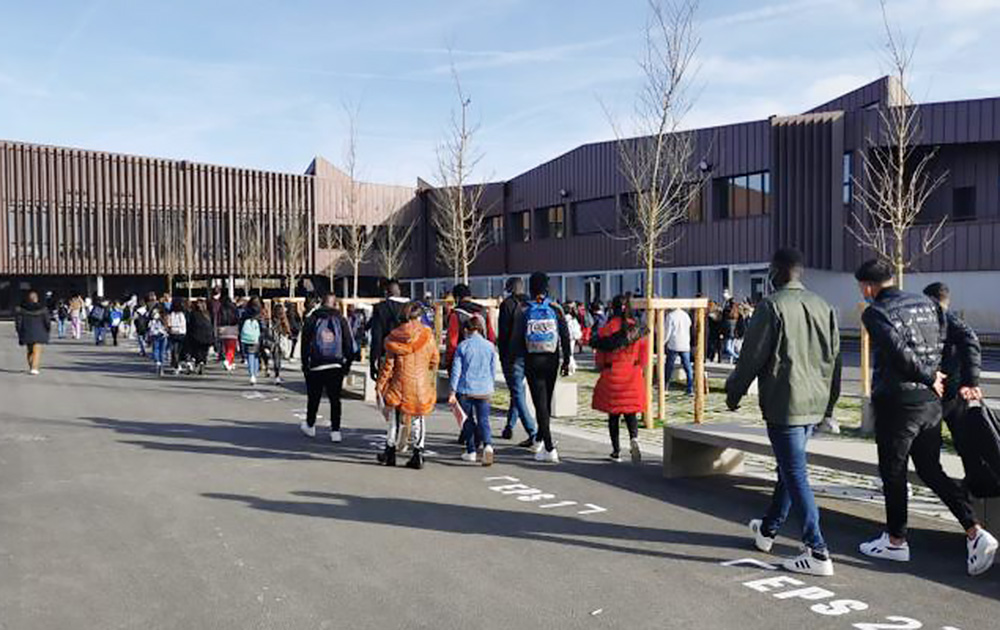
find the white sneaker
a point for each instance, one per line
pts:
(635, 451)
(336, 437)
(253, 380)
(537, 447)
(34, 372)
(548, 457)
(469, 457)
(809, 564)
(762, 542)
(982, 551)
(308, 431)
(488, 455)
(177, 371)
(883, 549)
(277, 380)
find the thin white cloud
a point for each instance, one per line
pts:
(767, 12)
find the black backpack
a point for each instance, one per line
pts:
(979, 446)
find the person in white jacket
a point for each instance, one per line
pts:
(679, 345)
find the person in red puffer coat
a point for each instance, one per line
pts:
(622, 349)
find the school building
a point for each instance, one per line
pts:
(109, 223)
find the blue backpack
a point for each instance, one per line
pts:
(250, 333)
(541, 328)
(328, 342)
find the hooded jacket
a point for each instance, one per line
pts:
(200, 329)
(387, 315)
(33, 324)
(510, 337)
(407, 380)
(621, 357)
(456, 323)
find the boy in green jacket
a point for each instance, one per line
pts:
(792, 349)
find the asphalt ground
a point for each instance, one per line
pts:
(128, 501)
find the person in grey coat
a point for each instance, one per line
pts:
(33, 323)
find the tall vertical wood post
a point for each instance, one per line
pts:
(438, 323)
(661, 362)
(648, 417)
(699, 366)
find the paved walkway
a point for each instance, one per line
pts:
(128, 501)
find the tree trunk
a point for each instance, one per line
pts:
(899, 263)
(356, 267)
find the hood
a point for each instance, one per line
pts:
(408, 338)
(325, 311)
(33, 309)
(470, 306)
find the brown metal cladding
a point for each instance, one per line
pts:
(68, 211)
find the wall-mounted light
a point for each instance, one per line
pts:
(563, 193)
(704, 166)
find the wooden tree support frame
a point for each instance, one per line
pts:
(657, 357)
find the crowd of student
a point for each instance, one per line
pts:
(926, 366)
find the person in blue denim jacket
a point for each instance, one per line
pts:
(473, 376)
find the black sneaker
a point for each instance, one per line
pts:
(416, 460)
(388, 456)
(527, 443)
(507, 433)
(615, 456)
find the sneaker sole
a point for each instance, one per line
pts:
(791, 568)
(487, 458)
(882, 556)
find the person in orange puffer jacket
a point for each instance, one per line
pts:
(406, 382)
(622, 349)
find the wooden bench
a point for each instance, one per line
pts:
(694, 450)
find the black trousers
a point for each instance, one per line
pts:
(912, 429)
(541, 372)
(199, 352)
(114, 335)
(614, 422)
(176, 350)
(330, 381)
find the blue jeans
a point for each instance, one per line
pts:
(159, 349)
(62, 328)
(142, 344)
(253, 363)
(792, 489)
(477, 422)
(99, 335)
(730, 350)
(685, 363)
(513, 374)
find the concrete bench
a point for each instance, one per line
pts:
(693, 450)
(359, 379)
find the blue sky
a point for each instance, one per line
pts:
(262, 83)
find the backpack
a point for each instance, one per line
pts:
(250, 332)
(97, 314)
(63, 311)
(328, 342)
(541, 328)
(141, 323)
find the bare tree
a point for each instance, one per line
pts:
(253, 250)
(392, 243)
(896, 179)
(354, 238)
(294, 246)
(656, 161)
(459, 217)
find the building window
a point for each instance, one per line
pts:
(848, 179)
(324, 236)
(557, 221)
(494, 230)
(742, 196)
(963, 203)
(522, 226)
(595, 216)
